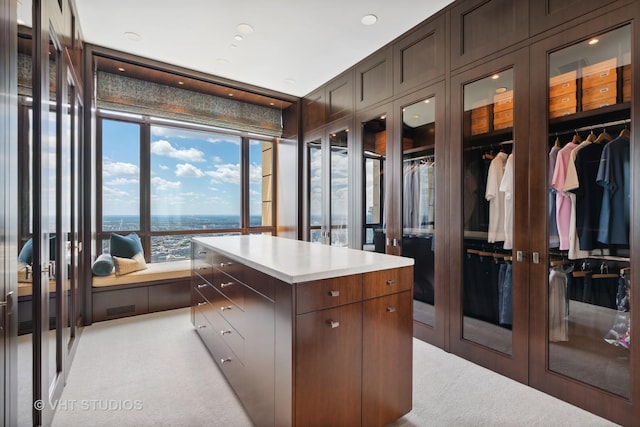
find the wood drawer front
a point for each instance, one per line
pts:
(230, 287)
(599, 78)
(221, 305)
(201, 261)
(228, 266)
(326, 293)
(385, 282)
(222, 354)
(231, 337)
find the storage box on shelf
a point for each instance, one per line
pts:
(599, 85)
(626, 83)
(563, 94)
(503, 110)
(480, 119)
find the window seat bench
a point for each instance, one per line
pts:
(162, 286)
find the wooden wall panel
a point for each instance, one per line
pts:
(340, 96)
(374, 78)
(546, 14)
(419, 57)
(314, 110)
(482, 27)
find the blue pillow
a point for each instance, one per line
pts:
(103, 265)
(26, 253)
(125, 246)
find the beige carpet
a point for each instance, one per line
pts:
(153, 370)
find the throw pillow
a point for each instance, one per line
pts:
(125, 246)
(129, 265)
(103, 265)
(26, 253)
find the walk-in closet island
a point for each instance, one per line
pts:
(306, 334)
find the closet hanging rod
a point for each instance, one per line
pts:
(592, 127)
(413, 159)
(488, 145)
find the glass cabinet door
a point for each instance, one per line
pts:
(590, 191)
(488, 194)
(315, 193)
(418, 202)
(374, 157)
(339, 188)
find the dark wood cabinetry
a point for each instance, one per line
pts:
(569, 73)
(336, 350)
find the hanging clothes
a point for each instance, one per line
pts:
(558, 304)
(554, 238)
(506, 187)
(571, 183)
(563, 201)
(496, 198)
(614, 176)
(419, 195)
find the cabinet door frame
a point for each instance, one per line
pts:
(436, 335)
(515, 365)
(593, 399)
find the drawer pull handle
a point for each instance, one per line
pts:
(228, 331)
(391, 282)
(224, 285)
(202, 268)
(202, 303)
(202, 326)
(333, 323)
(334, 293)
(225, 264)
(391, 309)
(604, 89)
(223, 361)
(202, 252)
(202, 285)
(228, 307)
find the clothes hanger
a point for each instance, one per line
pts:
(604, 136)
(626, 133)
(576, 138)
(557, 143)
(591, 137)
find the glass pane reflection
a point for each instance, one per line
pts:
(418, 207)
(488, 211)
(589, 216)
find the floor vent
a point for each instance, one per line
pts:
(121, 310)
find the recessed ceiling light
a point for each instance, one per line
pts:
(495, 76)
(230, 94)
(244, 29)
(369, 19)
(593, 41)
(134, 37)
(272, 103)
(426, 101)
(180, 82)
(121, 69)
(501, 89)
(238, 37)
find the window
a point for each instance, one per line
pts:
(172, 182)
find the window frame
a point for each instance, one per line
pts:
(145, 232)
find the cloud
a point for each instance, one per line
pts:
(164, 148)
(164, 167)
(187, 170)
(122, 181)
(113, 193)
(255, 173)
(229, 173)
(120, 169)
(162, 184)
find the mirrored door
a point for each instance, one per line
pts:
(490, 304)
(583, 287)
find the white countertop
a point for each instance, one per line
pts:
(295, 261)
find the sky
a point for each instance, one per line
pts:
(192, 172)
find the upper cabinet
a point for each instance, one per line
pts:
(339, 96)
(313, 110)
(546, 14)
(419, 57)
(374, 78)
(482, 27)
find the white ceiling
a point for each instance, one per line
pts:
(295, 46)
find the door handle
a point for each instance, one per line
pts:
(5, 303)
